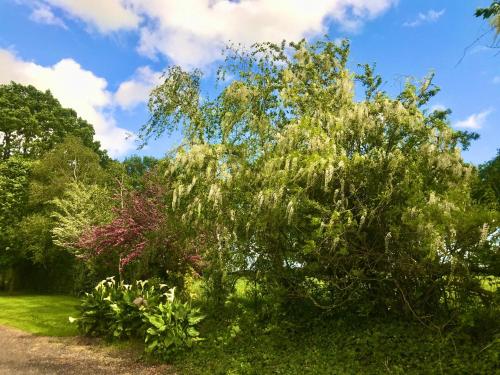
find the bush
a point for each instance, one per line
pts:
(139, 310)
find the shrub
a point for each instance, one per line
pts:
(141, 310)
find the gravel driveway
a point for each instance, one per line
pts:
(26, 354)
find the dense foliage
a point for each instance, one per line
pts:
(14, 182)
(488, 186)
(45, 149)
(30, 238)
(305, 342)
(33, 122)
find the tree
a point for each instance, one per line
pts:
(140, 231)
(489, 175)
(492, 14)
(14, 183)
(79, 209)
(337, 200)
(68, 162)
(14, 192)
(27, 236)
(69, 166)
(44, 149)
(136, 167)
(137, 216)
(33, 122)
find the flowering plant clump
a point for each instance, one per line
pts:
(144, 309)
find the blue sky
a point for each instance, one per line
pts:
(102, 57)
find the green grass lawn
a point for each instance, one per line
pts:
(42, 315)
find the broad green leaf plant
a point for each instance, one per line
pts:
(144, 309)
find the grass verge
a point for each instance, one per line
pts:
(43, 315)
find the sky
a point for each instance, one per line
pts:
(102, 57)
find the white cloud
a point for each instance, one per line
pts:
(474, 121)
(136, 90)
(438, 107)
(75, 88)
(192, 32)
(43, 14)
(496, 80)
(428, 17)
(105, 15)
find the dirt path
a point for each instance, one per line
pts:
(23, 353)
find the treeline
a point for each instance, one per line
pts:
(48, 157)
(284, 178)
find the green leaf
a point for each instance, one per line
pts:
(195, 319)
(156, 321)
(192, 332)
